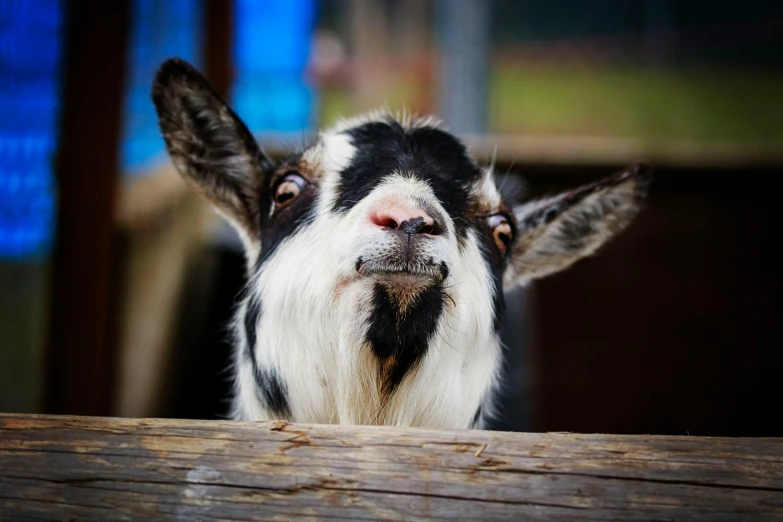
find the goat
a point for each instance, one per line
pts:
(377, 259)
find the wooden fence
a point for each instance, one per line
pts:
(88, 468)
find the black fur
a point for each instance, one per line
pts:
(252, 316)
(401, 339)
(444, 269)
(430, 154)
(286, 220)
(477, 417)
(269, 388)
(497, 266)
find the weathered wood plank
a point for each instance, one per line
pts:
(121, 469)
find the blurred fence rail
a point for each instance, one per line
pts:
(584, 150)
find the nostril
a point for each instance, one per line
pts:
(385, 221)
(420, 225)
(431, 229)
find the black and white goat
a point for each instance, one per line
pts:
(377, 260)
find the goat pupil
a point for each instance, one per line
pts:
(288, 189)
(501, 232)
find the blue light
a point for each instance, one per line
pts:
(31, 38)
(271, 93)
(272, 46)
(159, 30)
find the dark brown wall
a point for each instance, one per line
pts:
(674, 326)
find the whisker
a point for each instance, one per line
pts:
(454, 329)
(456, 318)
(449, 344)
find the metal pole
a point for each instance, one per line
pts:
(463, 35)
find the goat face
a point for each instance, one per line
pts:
(377, 260)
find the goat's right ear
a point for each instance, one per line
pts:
(210, 146)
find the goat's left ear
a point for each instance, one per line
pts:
(556, 232)
(210, 146)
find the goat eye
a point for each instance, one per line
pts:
(288, 188)
(501, 231)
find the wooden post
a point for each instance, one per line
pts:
(218, 41)
(369, 48)
(81, 305)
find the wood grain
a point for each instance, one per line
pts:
(66, 468)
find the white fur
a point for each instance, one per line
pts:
(486, 190)
(405, 118)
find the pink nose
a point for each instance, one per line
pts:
(408, 219)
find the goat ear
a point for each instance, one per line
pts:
(554, 233)
(209, 145)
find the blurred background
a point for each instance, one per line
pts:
(116, 282)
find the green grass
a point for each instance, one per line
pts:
(337, 103)
(646, 104)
